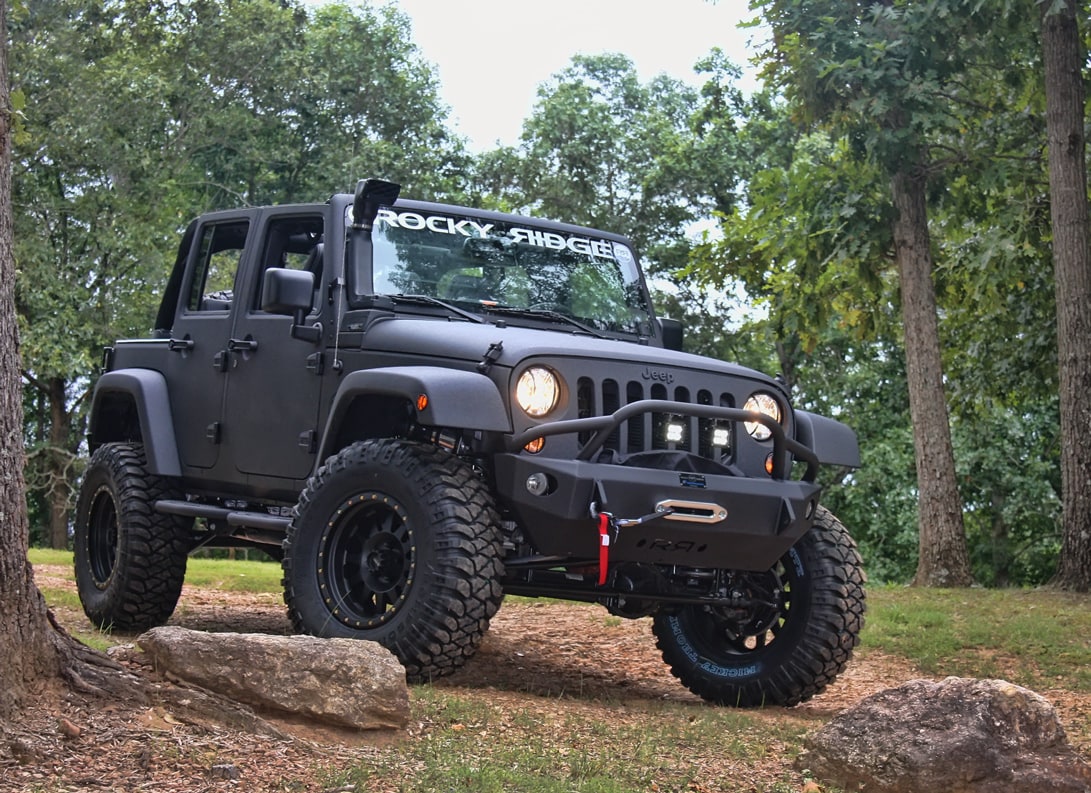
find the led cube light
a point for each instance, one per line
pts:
(675, 431)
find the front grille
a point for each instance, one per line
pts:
(648, 431)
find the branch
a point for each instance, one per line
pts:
(34, 382)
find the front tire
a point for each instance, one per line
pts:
(398, 543)
(130, 560)
(791, 640)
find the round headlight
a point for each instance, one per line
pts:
(767, 405)
(537, 391)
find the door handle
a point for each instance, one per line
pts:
(249, 344)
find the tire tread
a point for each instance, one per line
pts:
(146, 582)
(450, 623)
(826, 644)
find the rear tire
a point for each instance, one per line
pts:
(398, 543)
(130, 560)
(793, 639)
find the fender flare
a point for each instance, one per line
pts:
(148, 390)
(832, 442)
(455, 398)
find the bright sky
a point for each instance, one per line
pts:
(492, 54)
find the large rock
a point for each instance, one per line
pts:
(341, 682)
(955, 736)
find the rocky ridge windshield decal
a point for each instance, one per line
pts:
(467, 227)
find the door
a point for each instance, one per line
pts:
(198, 363)
(275, 381)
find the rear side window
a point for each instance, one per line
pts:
(219, 253)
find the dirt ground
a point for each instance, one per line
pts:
(548, 660)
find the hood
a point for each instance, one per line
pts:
(467, 341)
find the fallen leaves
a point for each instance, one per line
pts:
(540, 664)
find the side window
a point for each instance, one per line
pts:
(219, 253)
(295, 242)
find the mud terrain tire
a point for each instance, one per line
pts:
(797, 635)
(399, 543)
(130, 560)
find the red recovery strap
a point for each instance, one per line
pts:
(604, 546)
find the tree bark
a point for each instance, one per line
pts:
(24, 628)
(34, 650)
(944, 559)
(1072, 277)
(59, 474)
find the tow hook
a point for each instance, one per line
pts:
(609, 525)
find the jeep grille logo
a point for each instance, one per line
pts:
(658, 375)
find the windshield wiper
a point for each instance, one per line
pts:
(544, 313)
(428, 300)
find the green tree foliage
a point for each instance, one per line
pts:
(374, 107)
(88, 223)
(645, 159)
(1010, 480)
(804, 240)
(807, 231)
(139, 116)
(887, 76)
(862, 382)
(940, 97)
(603, 149)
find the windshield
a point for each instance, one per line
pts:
(485, 265)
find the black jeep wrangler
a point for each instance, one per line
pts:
(418, 408)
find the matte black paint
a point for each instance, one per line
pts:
(241, 412)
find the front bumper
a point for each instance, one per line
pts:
(702, 520)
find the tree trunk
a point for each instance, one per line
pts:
(34, 650)
(1001, 543)
(24, 628)
(59, 475)
(944, 559)
(1072, 276)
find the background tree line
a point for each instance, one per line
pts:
(877, 223)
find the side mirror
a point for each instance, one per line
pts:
(290, 292)
(285, 291)
(670, 330)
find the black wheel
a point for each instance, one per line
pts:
(130, 560)
(790, 636)
(398, 543)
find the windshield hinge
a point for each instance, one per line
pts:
(332, 286)
(491, 355)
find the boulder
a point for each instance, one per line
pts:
(339, 682)
(955, 736)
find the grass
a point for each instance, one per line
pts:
(474, 745)
(39, 556)
(231, 575)
(471, 740)
(235, 575)
(223, 574)
(1036, 638)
